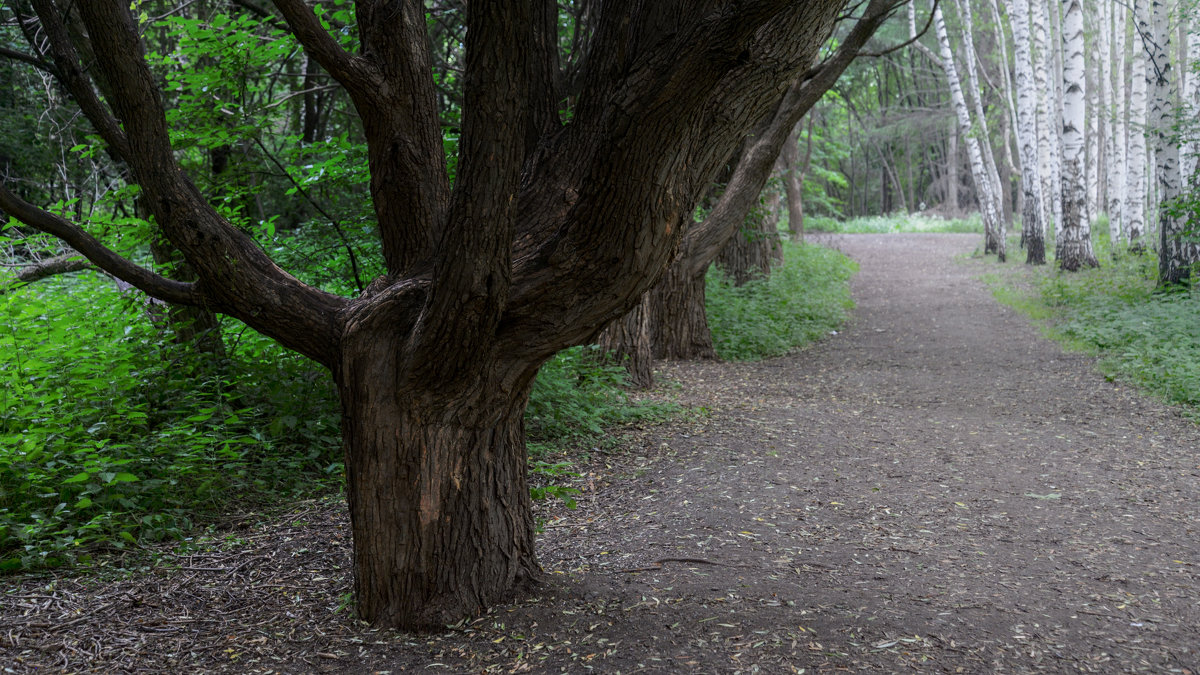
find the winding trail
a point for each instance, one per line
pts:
(937, 487)
(934, 489)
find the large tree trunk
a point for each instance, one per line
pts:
(439, 505)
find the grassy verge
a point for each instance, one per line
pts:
(1144, 336)
(803, 299)
(915, 222)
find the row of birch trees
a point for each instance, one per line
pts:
(1101, 95)
(1065, 114)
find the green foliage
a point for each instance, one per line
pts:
(1145, 336)
(111, 434)
(801, 301)
(896, 223)
(576, 396)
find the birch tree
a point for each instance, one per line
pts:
(1048, 122)
(1134, 213)
(978, 127)
(1176, 253)
(1118, 129)
(983, 182)
(1032, 226)
(1073, 246)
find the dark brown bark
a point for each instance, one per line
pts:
(679, 324)
(439, 505)
(753, 250)
(627, 341)
(794, 171)
(530, 252)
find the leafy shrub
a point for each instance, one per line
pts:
(577, 395)
(802, 300)
(111, 433)
(1145, 336)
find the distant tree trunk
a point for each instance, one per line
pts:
(1073, 246)
(1114, 74)
(679, 324)
(991, 193)
(1049, 129)
(795, 169)
(952, 160)
(983, 180)
(750, 253)
(1033, 229)
(1135, 191)
(627, 340)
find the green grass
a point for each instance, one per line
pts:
(1142, 335)
(895, 223)
(802, 300)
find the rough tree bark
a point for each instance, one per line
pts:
(1073, 246)
(702, 242)
(1176, 252)
(526, 255)
(1033, 228)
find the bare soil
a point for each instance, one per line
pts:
(934, 489)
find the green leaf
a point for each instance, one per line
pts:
(78, 478)
(83, 503)
(124, 477)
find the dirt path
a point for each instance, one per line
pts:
(935, 489)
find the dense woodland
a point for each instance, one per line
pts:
(214, 206)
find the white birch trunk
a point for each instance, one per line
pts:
(1033, 229)
(963, 114)
(1175, 253)
(1118, 136)
(1134, 218)
(1048, 120)
(1073, 245)
(1096, 99)
(995, 235)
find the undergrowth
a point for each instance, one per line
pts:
(802, 300)
(1143, 335)
(112, 435)
(897, 222)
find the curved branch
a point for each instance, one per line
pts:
(354, 72)
(103, 257)
(30, 59)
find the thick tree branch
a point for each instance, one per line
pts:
(354, 72)
(473, 271)
(704, 241)
(237, 277)
(50, 267)
(91, 248)
(645, 140)
(409, 184)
